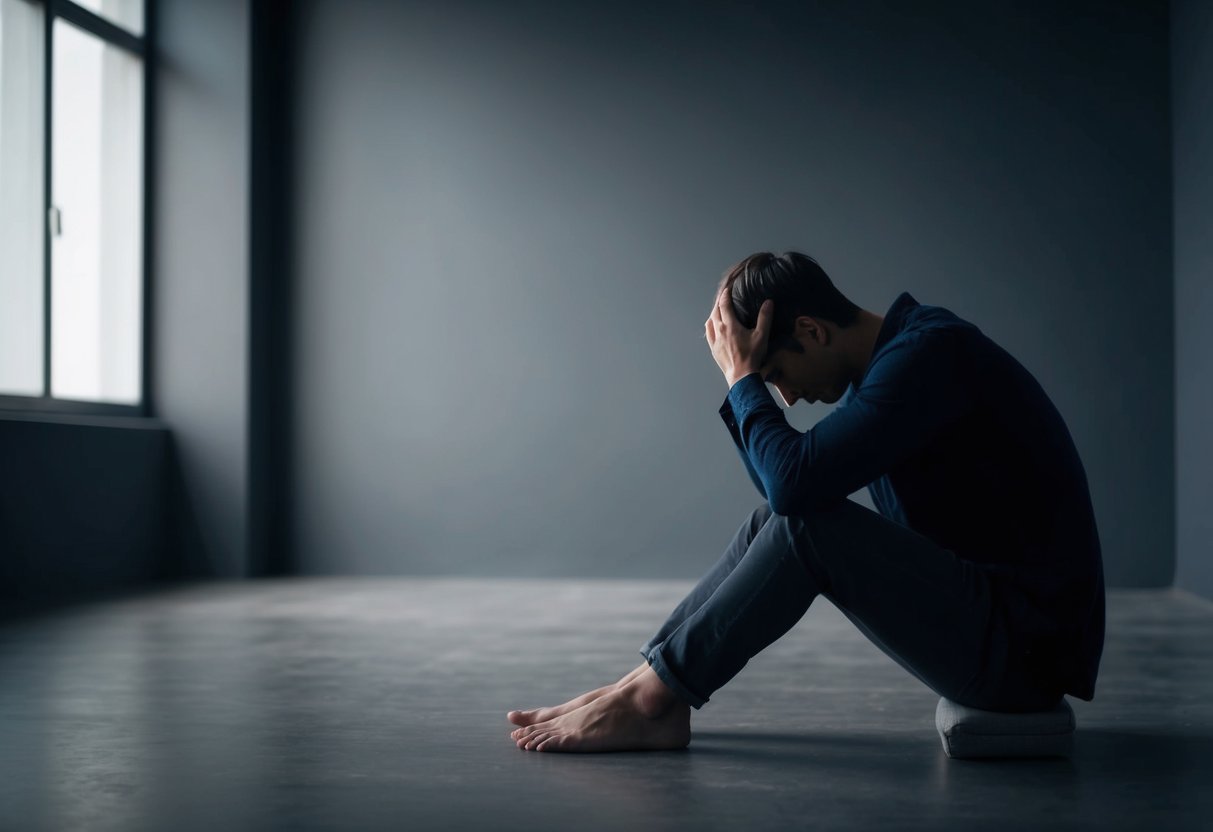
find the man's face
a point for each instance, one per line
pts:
(817, 374)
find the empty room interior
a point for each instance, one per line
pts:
(366, 384)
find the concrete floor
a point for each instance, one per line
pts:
(351, 704)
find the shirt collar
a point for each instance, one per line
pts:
(894, 320)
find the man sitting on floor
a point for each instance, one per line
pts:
(980, 574)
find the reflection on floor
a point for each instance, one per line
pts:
(351, 704)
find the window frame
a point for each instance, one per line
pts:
(142, 46)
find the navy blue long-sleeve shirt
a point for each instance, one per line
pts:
(956, 440)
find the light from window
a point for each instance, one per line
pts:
(21, 197)
(96, 236)
(126, 13)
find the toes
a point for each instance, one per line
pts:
(534, 728)
(520, 717)
(524, 731)
(523, 735)
(530, 735)
(534, 742)
(549, 743)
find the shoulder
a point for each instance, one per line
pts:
(921, 359)
(934, 331)
(926, 345)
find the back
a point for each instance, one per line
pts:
(1003, 486)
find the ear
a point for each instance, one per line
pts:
(811, 329)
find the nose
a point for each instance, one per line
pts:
(789, 398)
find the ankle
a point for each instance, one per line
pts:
(651, 696)
(631, 675)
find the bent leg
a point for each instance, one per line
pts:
(934, 613)
(946, 620)
(707, 585)
(694, 599)
(760, 597)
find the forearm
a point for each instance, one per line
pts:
(770, 448)
(730, 423)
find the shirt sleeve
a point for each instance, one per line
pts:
(909, 395)
(726, 413)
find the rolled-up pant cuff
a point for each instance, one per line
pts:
(652, 655)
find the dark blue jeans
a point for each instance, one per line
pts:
(944, 619)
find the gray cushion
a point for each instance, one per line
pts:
(970, 733)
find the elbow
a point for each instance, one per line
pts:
(780, 501)
(789, 501)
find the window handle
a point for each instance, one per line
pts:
(54, 219)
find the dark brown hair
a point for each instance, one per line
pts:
(796, 284)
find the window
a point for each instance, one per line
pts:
(72, 218)
(21, 197)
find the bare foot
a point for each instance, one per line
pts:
(525, 718)
(642, 715)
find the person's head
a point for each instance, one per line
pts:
(805, 358)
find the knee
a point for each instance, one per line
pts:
(795, 534)
(832, 511)
(760, 515)
(792, 526)
(757, 519)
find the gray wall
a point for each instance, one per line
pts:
(202, 274)
(512, 217)
(1192, 107)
